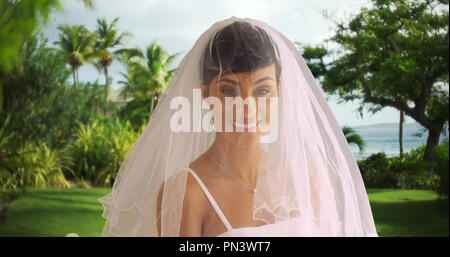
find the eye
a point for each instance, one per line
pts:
(227, 91)
(262, 91)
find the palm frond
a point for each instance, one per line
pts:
(353, 137)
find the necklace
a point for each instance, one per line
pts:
(238, 180)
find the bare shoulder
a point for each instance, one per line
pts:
(195, 203)
(205, 169)
(193, 189)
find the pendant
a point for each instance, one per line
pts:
(254, 190)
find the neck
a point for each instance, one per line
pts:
(239, 159)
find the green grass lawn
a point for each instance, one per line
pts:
(407, 213)
(54, 212)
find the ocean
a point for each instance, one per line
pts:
(384, 137)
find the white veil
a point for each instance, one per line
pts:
(307, 180)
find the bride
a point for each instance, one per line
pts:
(242, 143)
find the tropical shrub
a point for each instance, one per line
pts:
(413, 174)
(33, 165)
(43, 72)
(375, 172)
(416, 153)
(442, 169)
(43, 106)
(137, 111)
(6, 196)
(99, 149)
(409, 172)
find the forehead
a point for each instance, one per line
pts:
(265, 71)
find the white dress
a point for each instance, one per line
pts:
(296, 225)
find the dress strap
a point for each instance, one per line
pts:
(211, 200)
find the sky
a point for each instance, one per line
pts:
(176, 24)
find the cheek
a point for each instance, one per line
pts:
(270, 108)
(266, 99)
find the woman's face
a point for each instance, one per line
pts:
(255, 89)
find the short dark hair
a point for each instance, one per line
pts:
(239, 47)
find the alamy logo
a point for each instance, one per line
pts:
(231, 118)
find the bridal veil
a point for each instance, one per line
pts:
(305, 168)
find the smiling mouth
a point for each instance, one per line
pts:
(247, 124)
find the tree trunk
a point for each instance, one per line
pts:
(106, 76)
(78, 79)
(432, 142)
(400, 136)
(74, 79)
(107, 90)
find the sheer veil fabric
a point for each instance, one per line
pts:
(285, 167)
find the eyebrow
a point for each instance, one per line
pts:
(237, 83)
(263, 79)
(229, 81)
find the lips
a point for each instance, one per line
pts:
(247, 124)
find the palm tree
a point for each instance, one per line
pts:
(130, 88)
(138, 109)
(149, 71)
(78, 43)
(108, 37)
(352, 137)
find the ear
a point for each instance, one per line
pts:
(204, 91)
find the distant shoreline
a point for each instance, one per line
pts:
(390, 125)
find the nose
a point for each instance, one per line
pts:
(250, 108)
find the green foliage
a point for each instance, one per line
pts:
(136, 111)
(66, 107)
(77, 43)
(43, 71)
(416, 153)
(375, 172)
(314, 58)
(409, 172)
(8, 154)
(354, 138)
(99, 149)
(19, 20)
(442, 169)
(6, 196)
(42, 106)
(392, 54)
(6, 134)
(413, 174)
(8, 158)
(32, 165)
(147, 75)
(108, 38)
(57, 111)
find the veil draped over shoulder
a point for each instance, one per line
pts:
(285, 164)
